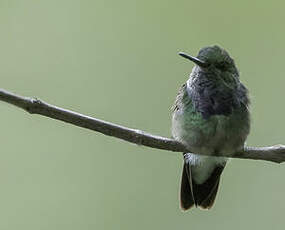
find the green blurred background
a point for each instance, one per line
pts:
(117, 60)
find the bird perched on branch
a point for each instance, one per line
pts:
(210, 116)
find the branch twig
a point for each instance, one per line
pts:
(35, 106)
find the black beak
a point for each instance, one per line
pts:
(197, 61)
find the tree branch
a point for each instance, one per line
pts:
(35, 106)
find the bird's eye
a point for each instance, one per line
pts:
(221, 66)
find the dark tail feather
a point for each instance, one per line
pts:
(202, 195)
(209, 201)
(186, 194)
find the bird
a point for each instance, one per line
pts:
(210, 116)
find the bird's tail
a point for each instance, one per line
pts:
(202, 195)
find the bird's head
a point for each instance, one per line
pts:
(214, 59)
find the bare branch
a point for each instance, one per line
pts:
(35, 106)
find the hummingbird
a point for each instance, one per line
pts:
(211, 117)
